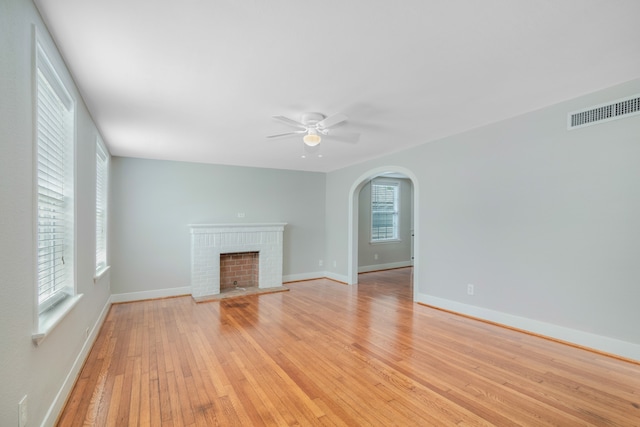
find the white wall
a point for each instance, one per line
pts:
(390, 254)
(542, 220)
(46, 372)
(154, 201)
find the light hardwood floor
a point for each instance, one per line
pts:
(330, 354)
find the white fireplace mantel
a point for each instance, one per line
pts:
(208, 241)
(236, 228)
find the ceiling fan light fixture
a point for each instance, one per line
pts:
(312, 139)
(313, 126)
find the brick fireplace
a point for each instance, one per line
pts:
(210, 241)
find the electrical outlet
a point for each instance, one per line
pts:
(375, 256)
(335, 263)
(86, 332)
(22, 412)
(320, 263)
(240, 214)
(470, 289)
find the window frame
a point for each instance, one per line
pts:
(63, 297)
(395, 212)
(102, 204)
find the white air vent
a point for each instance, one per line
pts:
(613, 110)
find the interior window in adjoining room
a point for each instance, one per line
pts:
(385, 198)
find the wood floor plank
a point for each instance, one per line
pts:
(144, 416)
(155, 413)
(114, 402)
(328, 354)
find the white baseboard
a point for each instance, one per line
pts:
(158, 293)
(336, 277)
(584, 339)
(303, 276)
(314, 275)
(61, 397)
(387, 266)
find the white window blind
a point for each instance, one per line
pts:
(102, 182)
(55, 114)
(384, 210)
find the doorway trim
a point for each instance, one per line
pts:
(354, 192)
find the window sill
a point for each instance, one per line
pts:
(383, 242)
(49, 319)
(100, 274)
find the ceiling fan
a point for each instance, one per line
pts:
(314, 126)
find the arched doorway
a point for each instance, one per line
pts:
(352, 261)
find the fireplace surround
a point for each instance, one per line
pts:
(209, 241)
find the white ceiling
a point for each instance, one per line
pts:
(199, 80)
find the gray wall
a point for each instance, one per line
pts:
(40, 372)
(542, 220)
(390, 254)
(154, 201)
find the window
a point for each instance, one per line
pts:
(384, 210)
(102, 183)
(54, 153)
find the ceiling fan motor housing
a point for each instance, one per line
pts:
(311, 119)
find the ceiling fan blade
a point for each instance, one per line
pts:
(280, 135)
(332, 121)
(290, 122)
(344, 136)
